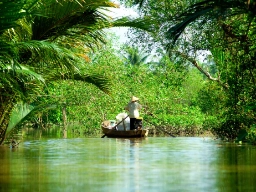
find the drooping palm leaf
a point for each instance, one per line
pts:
(66, 17)
(210, 10)
(43, 54)
(20, 81)
(98, 80)
(54, 57)
(145, 23)
(178, 29)
(11, 12)
(18, 115)
(23, 71)
(23, 111)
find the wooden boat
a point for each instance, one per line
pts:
(111, 131)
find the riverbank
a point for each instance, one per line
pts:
(179, 132)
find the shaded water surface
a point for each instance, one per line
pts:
(132, 165)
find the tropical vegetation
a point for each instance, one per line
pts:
(224, 31)
(191, 63)
(43, 41)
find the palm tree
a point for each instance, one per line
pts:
(47, 40)
(135, 57)
(33, 49)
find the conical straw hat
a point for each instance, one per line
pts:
(134, 98)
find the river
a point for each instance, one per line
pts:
(181, 164)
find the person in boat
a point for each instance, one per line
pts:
(133, 107)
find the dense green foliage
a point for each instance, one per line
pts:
(43, 41)
(168, 94)
(225, 32)
(193, 71)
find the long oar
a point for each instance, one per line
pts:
(114, 126)
(160, 127)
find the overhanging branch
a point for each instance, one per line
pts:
(206, 73)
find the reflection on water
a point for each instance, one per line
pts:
(148, 164)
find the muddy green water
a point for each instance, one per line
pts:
(128, 165)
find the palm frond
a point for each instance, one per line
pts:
(210, 10)
(11, 12)
(20, 81)
(147, 23)
(25, 72)
(135, 57)
(68, 17)
(98, 80)
(38, 54)
(18, 115)
(43, 54)
(8, 54)
(177, 30)
(23, 111)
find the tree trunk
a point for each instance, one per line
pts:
(64, 120)
(5, 110)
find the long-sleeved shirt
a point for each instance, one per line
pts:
(133, 108)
